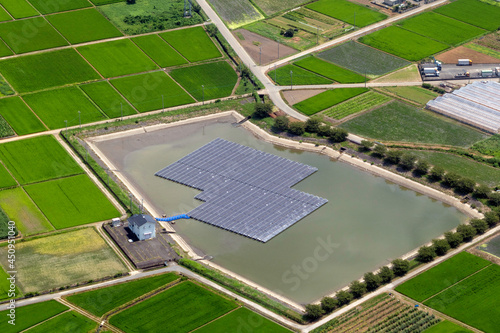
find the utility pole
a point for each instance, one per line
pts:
(80, 119)
(317, 35)
(162, 104)
(203, 94)
(66, 124)
(291, 80)
(121, 110)
(260, 56)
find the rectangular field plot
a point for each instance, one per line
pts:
(21, 209)
(71, 201)
(218, 78)
(348, 12)
(330, 70)
(103, 300)
(55, 6)
(4, 15)
(5, 286)
(474, 301)
(327, 99)
(83, 26)
(177, 310)
(161, 53)
(41, 35)
(447, 327)
(54, 107)
(441, 28)
(62, 259)
(68, 322)
(6, 180)
(108, 99)
(37, 159)
(151, 91)
(357, 104)
(473, 12)
(19, 116)
(288, 74)
(193, 43)
(413, 93)
(442, 276)
(403, 43)
(236, 12)
(19, 8)
(30, 315)
(4, 50)
(270, 6)
(46, 70)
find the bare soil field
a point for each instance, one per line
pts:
(491, 40)
(296, 96)
(462, 52)
(252, 43)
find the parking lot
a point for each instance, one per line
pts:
(452, 72)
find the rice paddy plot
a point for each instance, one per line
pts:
(83, 26)
(68, 322)
(403, 43)
(108, 99)
(5, 129)
(181, 308)
(55, 6)
(4, 15)
(19, 8)
(193, 43)
(37, 159)
(63, 107)
(236, 12)
(329, 70)
(19, 116)
(6, 180)
(357, 104)
(413, 93)
(21, 209)
(474, 12)
(291, 74)
(5, 289)
(116, 58)
(327, 99)
(347, 11)
(29, 315)
(447, 327)
(270, 6)
(151, 91)
(4, 50)
(71, 201)
(46, 70)
(207, 81)
(158, 50)
(362, 59)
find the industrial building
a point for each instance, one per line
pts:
(476, 104)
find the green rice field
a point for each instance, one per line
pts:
(83, 26)
(474, 12)
(68, 322)
(447, 327)
(46, 70)
(413, 93)
(108, 99)
(41, 35)
(403, 43)
(55, 107)
(71, 201)
(116, 58)
(55, 6)
(50, 158)
(4, 15)
(200, 46)
(5, 286)
(19, 8)
(4, 50)
(357, 104)
(158, 50)
(329, 70)
(145, 91)
(103, 300)
(236, 13)
(327, 99)
(442, 276)
(347, 11)
(299, 76)
(19, 116)
(181, 308)
(6, 180)
(30, 315)
(218, 78)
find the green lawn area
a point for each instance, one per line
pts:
(19, 8)
(357, 104)
(145, 91)
(327, 99)
(102, 300)
(116, 58)
(200, 46)
(29, 315)
(71, 201)
(83, 26)
(441, 28)
(473, 12)
(347, 11)
(55, 6)
(329, 70)
(397, 121)
(4, 50)
(474, 301)
(69, 322)
(5, 288)
(108, 99)
(161, 53)
(413, 93)
(403, 43)
(4, 15)
(19, 116)
(490, 146)
(178, 309)
(6, 180)
(54, 107)
(299, 76)
(41, 35)
(46, 70)
(442, 276)
(234, 321)
(218, 78)
(21, 209)
(44, 152)
(447, 327)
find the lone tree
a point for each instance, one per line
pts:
(344, 297)
(312, 124)
(400, 267)
(281, 123)
(289, 32)
(453, 238)
(357, 289)
(466, 185)
(491, 218)
(467, 231)
(480, 225)
(407, 161)
(426, 254)
(366, 145)
(372, 281)
(441, 246)
(393, 156)
(380, 150)
(314, 311)
(451, 179)
(328, 304)
(482, 191)
(338, 134)
(262, 110)
(386, 274)
(422, 167)
(494, 198)
(437, 173)
(296, 128)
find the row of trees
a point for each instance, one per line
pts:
(312, 125)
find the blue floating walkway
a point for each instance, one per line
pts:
(172, 218)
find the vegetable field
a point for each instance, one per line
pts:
(5, 129)
(161, 53)
(299, 76)
(68, 322)
(474, 12)
(19, 116)
(357, 104)
(490, 146)
(327, 99)
(270, 6)
(108, 99)
(19, 8)
(329, 70)
(236, 12)
(200, 46)
(347, 11)
(55, 6)
(30, 315)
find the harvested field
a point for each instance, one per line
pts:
(408, 74)
(270, 6)
(108, 99)
(236, 12)
(329, 70)
(68, 322)
(161, 53)
(474, 12)
(55, 6)
(252, 43)
(297, 96)
(491, 41)
(462, 52)
(327, 99)
(298, 76)
(30, 315)
(200, 47)
(344, 10)
(19, 8)
(19, 116)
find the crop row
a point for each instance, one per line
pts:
(408, 320)
(357, 104)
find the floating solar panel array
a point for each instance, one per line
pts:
(476, 104)
(245, 190)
